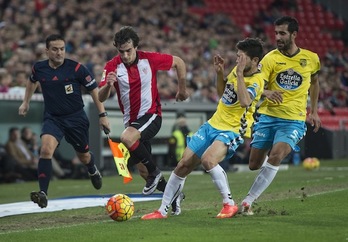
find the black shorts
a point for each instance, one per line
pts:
(148, 125)
(74, 127)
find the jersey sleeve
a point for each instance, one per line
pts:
(32, 76)
(255, 87)
(160, 61)
(316, 61)
(265, 67)
(107, 69)
(86, 78)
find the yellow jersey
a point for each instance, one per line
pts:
(229, 112)
(292, 76)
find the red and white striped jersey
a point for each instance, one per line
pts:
(136, 85)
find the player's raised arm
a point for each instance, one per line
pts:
(219, 63)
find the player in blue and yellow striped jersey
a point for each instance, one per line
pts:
(291, 73)
(219, 137)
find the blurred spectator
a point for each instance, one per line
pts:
(72, 167)
(24, 159)
(344, 80)
(18, 84)
(326, 98)
(31, 141)
(177, 142)
(20, 79)
(5, 81)
(8, 171)
(195, 37)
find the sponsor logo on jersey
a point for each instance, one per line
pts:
(289, 79)
(69, 89)
(303, 62)
(230, 96)
(103, 76)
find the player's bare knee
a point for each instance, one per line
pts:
(184, 168)
(208, 164)
(85, 158)
(46, 152)
(254, 165)
(128, 141)
(276, 158)
(125, 140)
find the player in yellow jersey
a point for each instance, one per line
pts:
(290, 74)
(219, 137)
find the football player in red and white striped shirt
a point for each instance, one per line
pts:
(132, 73)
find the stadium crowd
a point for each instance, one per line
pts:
(164, 25)
(89, 26)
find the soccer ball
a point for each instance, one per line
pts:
(311, 163)
(120, 207)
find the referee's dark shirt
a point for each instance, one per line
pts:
(61, 87)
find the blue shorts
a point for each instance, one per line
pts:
(206, 135)
(268, 131)
(74, 127)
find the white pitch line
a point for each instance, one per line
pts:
(323, 193)
(137, 217)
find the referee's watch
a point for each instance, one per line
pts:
(104, 114)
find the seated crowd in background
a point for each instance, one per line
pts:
(19, 159)
(170, 28)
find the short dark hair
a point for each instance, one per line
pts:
(12, 130)
(290, 21)
(253, 47)
(53, 37)
(125, 34)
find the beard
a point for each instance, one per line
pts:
(283, 45)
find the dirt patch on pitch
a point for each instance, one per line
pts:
(51, 220)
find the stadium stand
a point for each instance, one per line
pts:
(319, 34)
(193, 29)
(319, 22)
(336, 122)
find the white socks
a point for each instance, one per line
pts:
(173, 188)
(262, 181)
(219, 177)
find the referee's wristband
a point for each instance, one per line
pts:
(104, 114)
